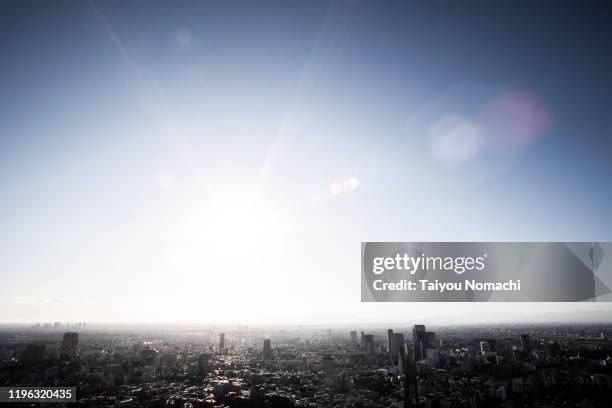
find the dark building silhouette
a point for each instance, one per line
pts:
(389, 340)
(70, 346)
(221, 342)
(525, 343)
(422, 340)
(368, 343)
(267, 349)
(354, 338)
(203, 364)
(418, 339)
(397, 344)
(411, 393)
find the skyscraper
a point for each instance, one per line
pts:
(368, 343)
(354, 338)
(203, 364)
(411, 391)
(267, 349)
(397, 344)
(70, 346)
(422, 340)
(418, 340)
(389, 340)
(525, 343)
(221, 342)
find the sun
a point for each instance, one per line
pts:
(229, 241)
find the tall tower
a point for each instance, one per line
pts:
(267, 349)
(368, 344)
(411, 391)
(221, 342)
(203, 364)
(418, 340)
(389, 340)
(354, 338)
(70, 346)
(525, 343)
(397, 344)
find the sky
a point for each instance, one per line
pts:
(222, 161)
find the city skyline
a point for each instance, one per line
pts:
(473, 367)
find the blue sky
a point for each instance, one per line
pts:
(159, 160)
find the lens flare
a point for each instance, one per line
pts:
(513, 119)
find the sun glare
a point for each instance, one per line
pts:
(228, 242)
